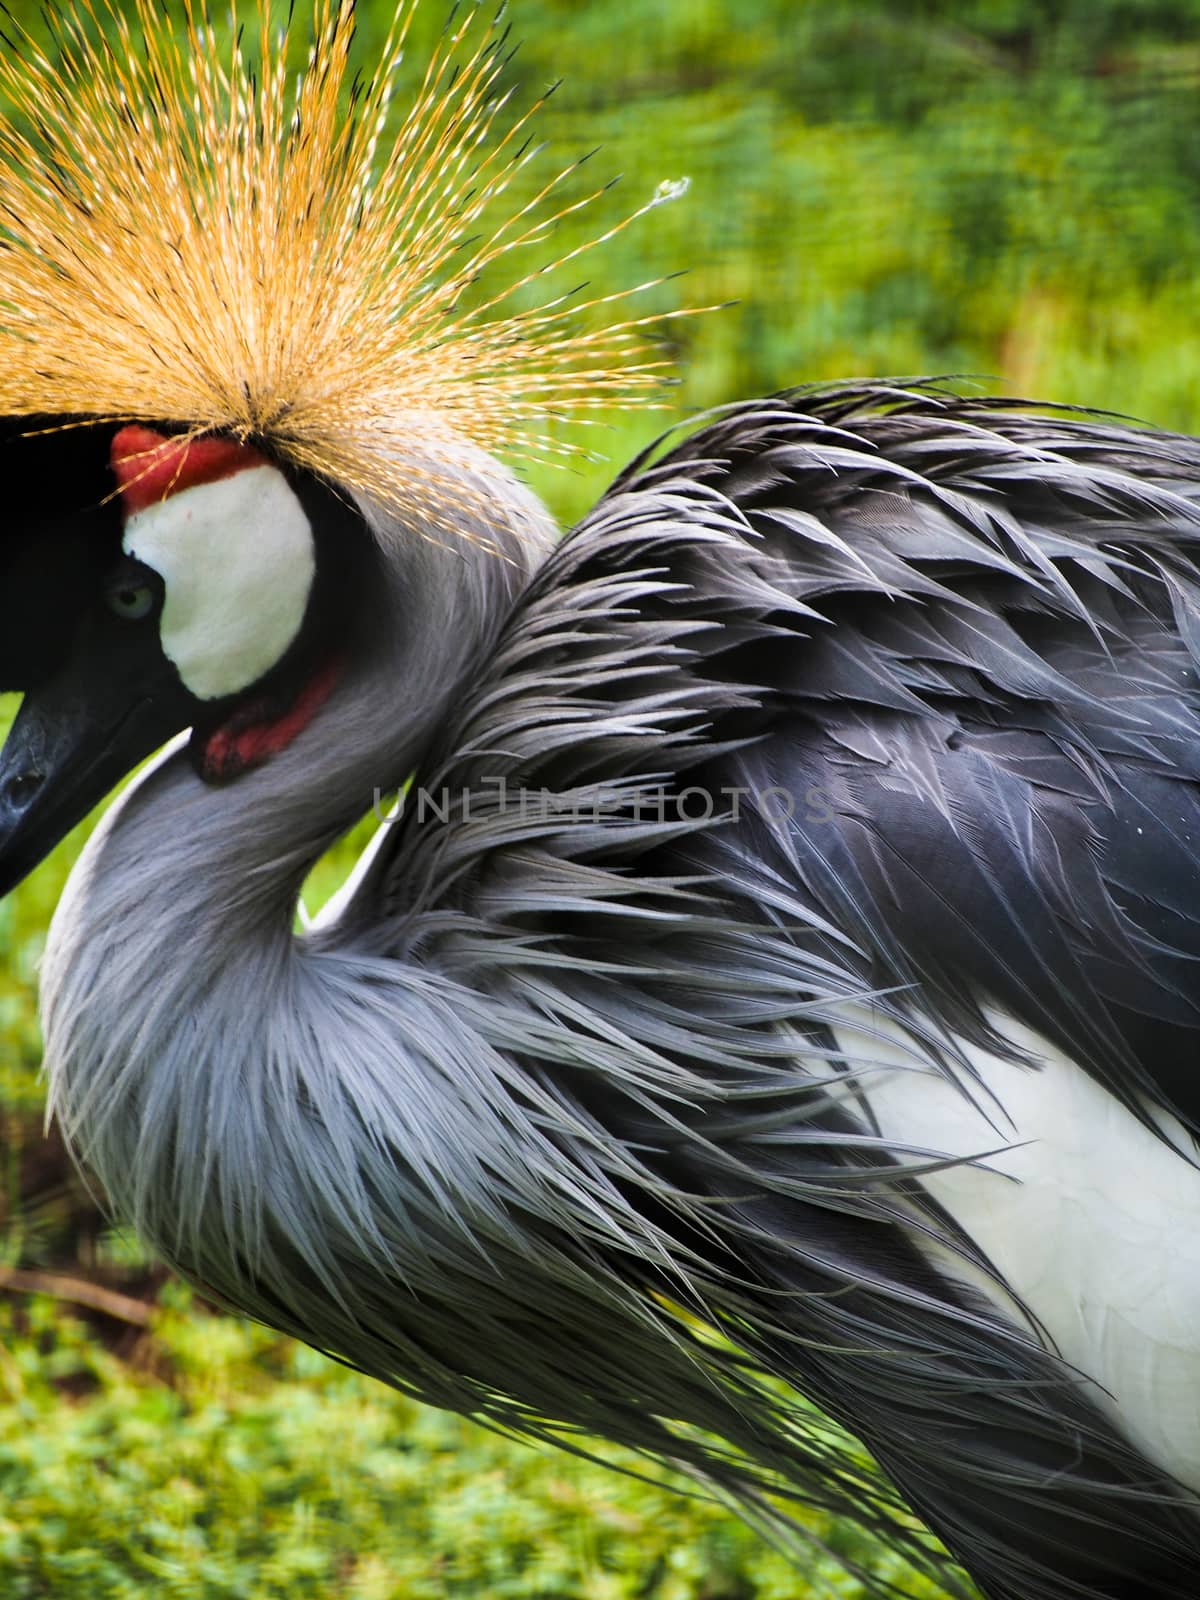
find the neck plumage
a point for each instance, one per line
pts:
(191, 1038)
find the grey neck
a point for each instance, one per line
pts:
(180, 1011)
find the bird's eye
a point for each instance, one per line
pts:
(132, 602)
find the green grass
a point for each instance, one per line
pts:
(216, 1461)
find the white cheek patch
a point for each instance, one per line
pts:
(237, 560)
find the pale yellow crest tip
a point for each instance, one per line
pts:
(198, 237)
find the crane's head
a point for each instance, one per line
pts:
(210, 588)
(341, 310)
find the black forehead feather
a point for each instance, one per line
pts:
(57, 537)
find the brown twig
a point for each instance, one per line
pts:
(77, 1290)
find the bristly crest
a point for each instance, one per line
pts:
(192, 235)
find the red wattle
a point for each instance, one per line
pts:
(246, 742)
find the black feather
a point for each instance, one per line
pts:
(962, 637)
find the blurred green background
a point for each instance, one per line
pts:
(1004, 189)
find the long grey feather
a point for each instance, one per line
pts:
(556, 1097)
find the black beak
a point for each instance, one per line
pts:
(112, 704)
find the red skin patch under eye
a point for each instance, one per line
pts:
(253, 735)
(150, 467)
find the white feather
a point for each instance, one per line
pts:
(1090, 1219)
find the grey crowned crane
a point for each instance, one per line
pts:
(780, 983)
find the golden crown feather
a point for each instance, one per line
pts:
(197, 234)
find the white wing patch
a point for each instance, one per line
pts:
(1091, 1220)
(237, 560)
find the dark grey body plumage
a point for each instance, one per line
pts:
(958, 638)
(585, 1084)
